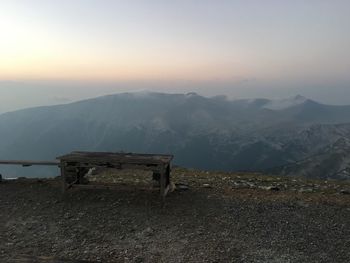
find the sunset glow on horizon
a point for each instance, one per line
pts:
(180, 40)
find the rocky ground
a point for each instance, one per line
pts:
(211, 217)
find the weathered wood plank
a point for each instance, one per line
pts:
(109, 187)
(113, 158)
(93, 164)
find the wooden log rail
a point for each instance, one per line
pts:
(26, 163)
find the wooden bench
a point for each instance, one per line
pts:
(75, 165)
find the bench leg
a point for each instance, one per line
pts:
(63, 178)
(167, 176)
(164, 184)
(162, 187)
(156, 179)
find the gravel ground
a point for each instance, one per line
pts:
(220, 218)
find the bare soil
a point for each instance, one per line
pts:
(221, 217)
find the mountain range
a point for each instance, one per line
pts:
(294, 136)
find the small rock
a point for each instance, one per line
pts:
(148, 231)
(139, 259)
(182, 187)
(207, 186)
(270, 188)
(345, 192)
(305, 190)
(139, 247)
(172, 187)
(302, 204)
(251, 185)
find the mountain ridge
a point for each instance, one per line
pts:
(205, 133)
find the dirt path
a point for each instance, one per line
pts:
(220, 221)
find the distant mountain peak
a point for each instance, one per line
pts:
(285, 103)
(191, 94)
(300, 97)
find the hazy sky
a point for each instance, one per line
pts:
(69, 49)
